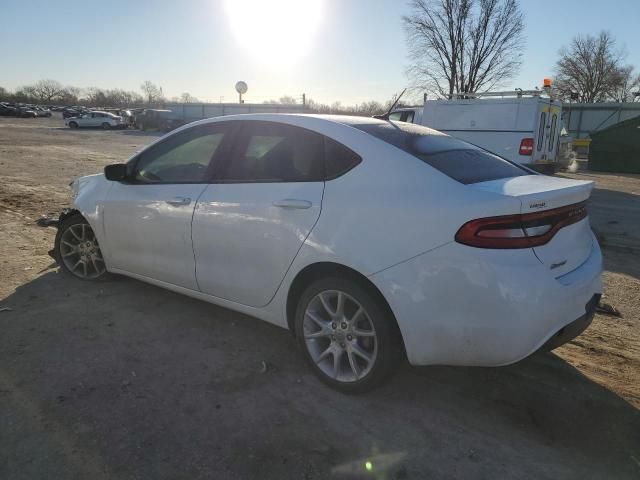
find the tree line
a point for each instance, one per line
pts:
(52, 92)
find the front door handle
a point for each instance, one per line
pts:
(292, 203)
(179, 201)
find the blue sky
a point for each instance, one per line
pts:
(336, 50)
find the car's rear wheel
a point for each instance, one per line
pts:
(77, 250)
(105, 126)
(73, 125)
(346, 334)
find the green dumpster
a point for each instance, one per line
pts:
(616, 148)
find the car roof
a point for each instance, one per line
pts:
(349, 120)
(346, 120)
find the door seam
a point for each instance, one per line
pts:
(193, 250)
(298, 251)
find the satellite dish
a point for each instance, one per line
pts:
(241, 87)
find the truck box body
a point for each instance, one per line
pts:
(524, 130)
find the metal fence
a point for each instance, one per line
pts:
(580, 119)
(197, 111)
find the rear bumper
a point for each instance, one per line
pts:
(458, 305)
(575, 328)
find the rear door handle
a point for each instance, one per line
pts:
(292, 203)
(179, 201)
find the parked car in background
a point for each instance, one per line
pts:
(8, 110)
(42, 112)
(154, 119)
(100, 119)
(68, 112)
(26, 111)
(371, 240)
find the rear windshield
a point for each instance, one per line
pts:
(459, 160)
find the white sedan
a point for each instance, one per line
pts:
(371, 240)
(98, 119)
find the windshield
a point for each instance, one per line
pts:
(459, 160)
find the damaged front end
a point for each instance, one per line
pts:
(53, 219)
(77, 186)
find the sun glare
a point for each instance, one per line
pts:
(276, 32)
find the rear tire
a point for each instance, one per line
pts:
(73, 125)
(348, 338)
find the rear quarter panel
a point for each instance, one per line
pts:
(390, 207)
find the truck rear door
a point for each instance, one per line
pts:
(545, 143)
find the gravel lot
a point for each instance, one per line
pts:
(123, 380)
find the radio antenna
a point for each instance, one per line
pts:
(386, 115)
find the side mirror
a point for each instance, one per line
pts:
(116, 172)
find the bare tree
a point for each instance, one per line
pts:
(152, 92)
(591, 67)
(48, 90)
(463, 46)
(25, 94)
(69, 95)
(627, 86)
(370, 108)
(186, 97)
(287, 100)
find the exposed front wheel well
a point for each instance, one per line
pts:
(315, 271)
(66, 213)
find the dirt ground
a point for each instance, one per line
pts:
(123, 380)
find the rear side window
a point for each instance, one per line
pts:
(459, 160)
(338, 159)
(275, 152)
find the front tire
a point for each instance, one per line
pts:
(77, 250)
(346, 334)
(106, 126)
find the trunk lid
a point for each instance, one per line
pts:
(572, 244)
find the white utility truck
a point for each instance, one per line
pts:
(521, 126)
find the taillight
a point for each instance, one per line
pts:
(519, 231)
(526, 146)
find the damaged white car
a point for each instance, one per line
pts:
(370, 240)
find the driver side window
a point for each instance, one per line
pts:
(181, 158)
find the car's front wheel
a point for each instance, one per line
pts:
(347, 335)
(77, 250)
(105, 126)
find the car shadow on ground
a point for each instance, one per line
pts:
(123, 379)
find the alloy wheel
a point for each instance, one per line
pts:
(80, 252)
(340, 336)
